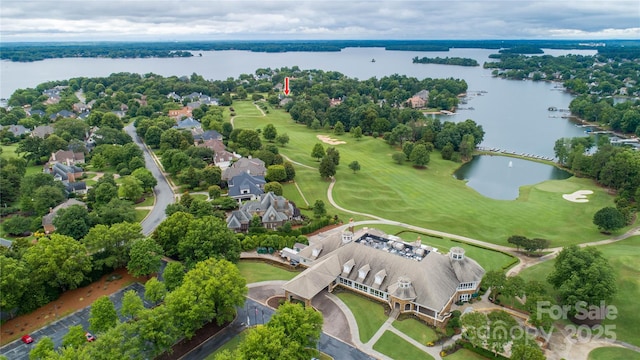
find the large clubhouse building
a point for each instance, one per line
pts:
(410, 277)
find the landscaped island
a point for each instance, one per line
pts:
(446, 61)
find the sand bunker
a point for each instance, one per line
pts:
(579, 196)
(328, 140)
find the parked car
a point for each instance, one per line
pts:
(90, 337)
(27, 339)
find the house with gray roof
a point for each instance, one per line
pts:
(62, 114)
(246, 187)
(253, 166)
(200, 134)
(411, 278)
(42, 131)
(272, 209)
(33, 112)
(16, 130)
(188, 124)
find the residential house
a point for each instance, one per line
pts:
(246, 187)
(63, 172)
(423, 94)
(334, 102)
(221, 158)
(120, 113)
(80, 107)
(416, 102)
(36, 112)
(273, 210)
(188, 124)
(62, 114)
(47, 220)
(67, 157)
(201, 135)
(410, 277)
(42, 131)
(16, 130)
(285, 101)
(180, 113)
(253, 166)
(175, 97)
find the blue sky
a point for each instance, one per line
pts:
(96, 20)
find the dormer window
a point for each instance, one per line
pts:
(346, 268)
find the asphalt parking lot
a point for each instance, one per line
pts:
(17, 350)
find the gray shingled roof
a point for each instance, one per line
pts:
(434, 280)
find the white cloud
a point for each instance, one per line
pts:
(43, 20)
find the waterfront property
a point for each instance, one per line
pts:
(410, 277)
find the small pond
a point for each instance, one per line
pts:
(500, 177)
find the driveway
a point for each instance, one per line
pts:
(57, 330)
(163, 192)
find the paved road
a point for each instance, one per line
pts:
(256, 313)
(57, 330)
(163, 192)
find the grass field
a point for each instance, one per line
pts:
(396, 347)
(256, 271)
(141, 214)
(464, 354)
(432, 198)
(613, 353)
(488, 259)
(369, 314)
(622, 257)
(417, 330)
(148, 201)
(200, 197)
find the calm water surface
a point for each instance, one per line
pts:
(500, 177)
(513, 113)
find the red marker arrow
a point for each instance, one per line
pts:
(286, 86)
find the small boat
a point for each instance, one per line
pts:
(373, 60)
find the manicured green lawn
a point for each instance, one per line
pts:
(9, 151)
(200, 197)
(464, 354)
(256, 271)
(369, 314)
(396, 347)
(623, 258)
(432, 198)
(148, 201)
(488, 259)
(613, 353)
(141, 214)
(417, 330)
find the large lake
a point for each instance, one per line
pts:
(513, 113)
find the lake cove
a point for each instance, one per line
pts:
(500, 177)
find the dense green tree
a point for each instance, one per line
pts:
(131, 304)
(171, 231)
(501, 326)
(290, 170)
(334, 155)
(115, 211)
(467, 146)
(338, 128)
(154, 290)
(398, 157)
(208, 237)
(276, 173)
(214, 191)
(17, 225)
(155, 328)
(153, 136)
(609, 219)
(173, 275)
(419, 155)
(355, 166)
(175, 139)
(47, 197)
(282, 139)
(14, 282)
(145, 257)
(43, 350)
(327, 167)
(211, 290)
(249, 139)
(319, 209)
(114, 242)
(130, 188)
(72, 221)
(274, 187)
(103, 315)
(302, 325)
(582, 274)
(525, 348)
(74, 337)
(356, 132)
(318, 151)
(496, 280)
(146, 178)
(270, 132)
(475, 324)
(65, 265)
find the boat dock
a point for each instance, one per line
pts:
(513, 153)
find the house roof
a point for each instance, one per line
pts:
(76, 186)
(430, 282)
(16, 130)
(247, 182)
(188, 123)
(253, 165)
(42, 131)
(198, 134)
(48, 219)
(64, 155)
